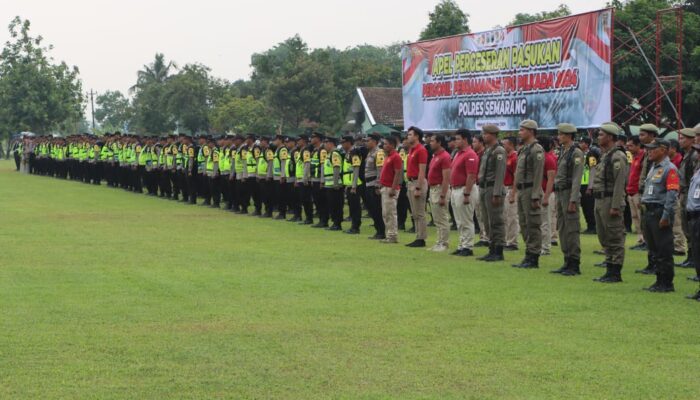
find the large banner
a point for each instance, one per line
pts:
(553, 71)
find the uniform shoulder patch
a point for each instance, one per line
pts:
(380, 158)
(190, 152)
(336, 159)
(592, 161)
(284, 154)
(577, 160)
(672, 180)
(306, 156)
(356, 161)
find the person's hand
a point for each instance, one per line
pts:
(392, 192)
(572, 208)
(535, 204)
(664, 224)
(466, 198)
(353, 190)
(615, 212)
(417, 192)
(442, 201)
(589, 191)
(496, 201)
(283, 180)
(545, 201)
(511, 198)
(377, 192)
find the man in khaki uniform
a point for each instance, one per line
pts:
(609, 193)
(492, 171)
(567, 186)
(528, 182)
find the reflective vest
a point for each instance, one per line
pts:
(299, 164)
(586, 175)
(404, 158)
(225, 161)
(316, 164)
(277, 162)
(202, 158)
(144, 156)
(238, 161)
(348, 169)
(334, 160)
(213, 156)
(251, 163)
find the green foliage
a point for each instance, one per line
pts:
(36, 93)
(150, 101)
(187, 97)
(241, 115)
(447, 19)
(113, 111)
(524, 18)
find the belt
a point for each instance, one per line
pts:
(456, 187)
(653, 206)
(521, 186)
(692, 214)
(602, 195)
(487, 184)
(412, 179)
(369, 179)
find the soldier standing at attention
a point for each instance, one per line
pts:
(373, 168)
(592, 155)
(528, 181)
(304, 180)
(417, 186)
(390, 184)
(439, 182)
(567, 186)
(318, 158)
(333, 184)
(609, 193)
(463, 175)
(658, 201)
(492, 172)
(352, 181)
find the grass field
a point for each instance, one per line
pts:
(108, 294)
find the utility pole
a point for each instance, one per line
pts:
(92, 107)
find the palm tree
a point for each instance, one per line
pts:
(156, 72)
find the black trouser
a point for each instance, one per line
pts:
(164, 182)
(292, 200)
(184, 187)
(266, 189)
(402, 206)
(354, 206)
(306, 200)
(335, 204)
(141, 179)
(192, 181)
(175, 183)
(321, 202)
(18, 159)
(149, 181)
(215, 189)
(281, 197)
(660, 242)
(694, 241)
(588, 208)
(239, 195)
(374, 206)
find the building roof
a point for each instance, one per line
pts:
(382, 105)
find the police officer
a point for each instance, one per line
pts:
(492, 172)
(304, 179)
(692, 211)
(332, 183)
(567, 185)
(352, 182)
(591, 157)
(373, 168)
(318, 159)
(658, 201)
(609, 193)
(528, 183)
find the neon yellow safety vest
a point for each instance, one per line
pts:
(348, 169)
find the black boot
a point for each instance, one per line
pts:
(562, 268)
(612, 275)
(648, 270)
(496, 255)
(695, 296)
(531, 261)
(573, 269)
(664, 284)
(487, 255)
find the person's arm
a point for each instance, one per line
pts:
(549, 187)
(471, 180)
(500, 160)
(576, 176)
(445, 187)
(396, 184)
(306, 157)
(672, 187)
(284, 159)
(538, 173)
(619, 165)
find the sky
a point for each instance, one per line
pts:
(110, 40)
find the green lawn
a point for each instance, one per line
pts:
(108, 294)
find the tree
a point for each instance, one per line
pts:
(113, 110)
(36, 94)
(524, 18)
(241, 115)
(187, 97)
(447, 19)
(156, 72)
(150, 102)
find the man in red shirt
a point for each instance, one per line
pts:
(463, 175)
(548, 203)
(510, 208)
(634, 146)
(439, 182)
(417, 186)
(390, 183)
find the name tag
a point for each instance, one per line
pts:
(650, 190)
(696, 194)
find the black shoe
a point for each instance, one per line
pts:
(401, 227)
(694, 278)
(685, 264)
(612, 275)
(320, 225)
(306, 222)
(456, 252)
(495, 255)
(280, 217)
(639, 246)
(661, 288)
(679, 253)
(453, 227)
(335, 228)
(466, 253)
(377, 237)
(601, 264)
(511, 247)
(352, 231)
(485, 256)
(589, 231)
(205, 204)
(562, 268)
(215, 206)
(417, 243)
(555, 243)
(294, 219)
(695, 296)
(531, 262)
(482, 243)
(649, 270)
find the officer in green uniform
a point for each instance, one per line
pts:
(353, 165)
(609, 193)
(492, 172)
(528, 182)
(658, 202)
(567, 186)
(332, 183)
